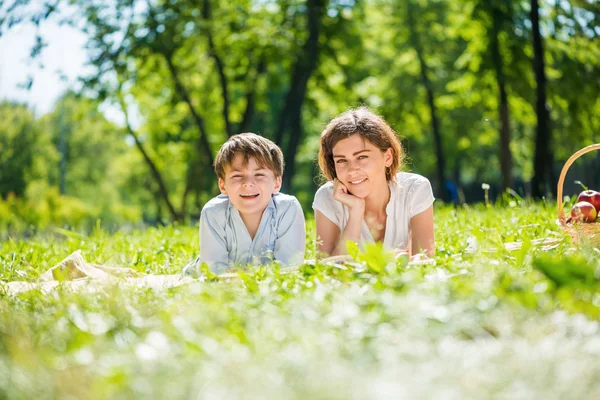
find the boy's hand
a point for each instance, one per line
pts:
(341, 194)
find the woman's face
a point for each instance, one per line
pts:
(360, 165)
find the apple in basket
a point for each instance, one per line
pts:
(592, 197)
(583, 212)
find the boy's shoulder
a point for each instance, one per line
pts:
(217, 206)
(284, 201)
(220, 204)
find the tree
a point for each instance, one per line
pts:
(414, 36)
(542, 177)
(88, 145)
(20, 143)
(290, 119)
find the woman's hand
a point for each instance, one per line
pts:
(341, 194)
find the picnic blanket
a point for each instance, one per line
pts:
(76, 273)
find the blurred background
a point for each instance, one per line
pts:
(111, 111)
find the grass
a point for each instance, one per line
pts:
(482, 323)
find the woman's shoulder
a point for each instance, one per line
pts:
(324, 198)
(409, 179)
(411, 186)
(325, 189)
(414, 192)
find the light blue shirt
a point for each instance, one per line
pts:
(225, 241)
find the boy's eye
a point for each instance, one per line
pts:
(235, 176)
(260, 174)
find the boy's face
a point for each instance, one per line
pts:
(249, 186)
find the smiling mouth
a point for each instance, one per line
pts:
(249, 195)
(358, 182)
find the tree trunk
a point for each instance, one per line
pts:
(503, 109)
(249, 112)
(63, 150)
(291, 116)
(435, 125)
(291, 149)
(542, 165)
(186, 192)
(162, 188)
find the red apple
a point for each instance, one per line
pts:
(584, 212)
(592, 197)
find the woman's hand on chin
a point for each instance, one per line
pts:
(341, 194)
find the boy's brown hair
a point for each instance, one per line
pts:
(267, 154)
(370, 126)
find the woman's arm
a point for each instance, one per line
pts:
(422, 236)
(328, 234)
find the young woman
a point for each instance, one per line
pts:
(366, 199)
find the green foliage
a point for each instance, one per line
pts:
(568, 270)
(192, 74)
(24, 149)
(374, 256)
(74, 149)
(45, 208)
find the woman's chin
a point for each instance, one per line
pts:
(360, 193)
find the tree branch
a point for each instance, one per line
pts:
(207, 16)
(205, 145)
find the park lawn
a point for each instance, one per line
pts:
(484, 322)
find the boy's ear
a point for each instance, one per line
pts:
(222, 186)
(277, 184)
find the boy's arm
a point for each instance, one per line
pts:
(213, 243)
(291, 236)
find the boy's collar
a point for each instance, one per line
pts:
(271, 203)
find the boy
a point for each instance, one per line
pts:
(250, 222)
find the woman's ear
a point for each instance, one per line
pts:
(277, 184)
(388, 157)
(222, 186)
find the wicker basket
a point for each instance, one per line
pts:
(580, 232)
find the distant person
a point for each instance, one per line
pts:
(452, 190)
(250, 222)
(366, 198)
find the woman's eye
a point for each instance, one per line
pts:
(362, 157)
(340, 161)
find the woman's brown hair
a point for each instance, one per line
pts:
(370, 126)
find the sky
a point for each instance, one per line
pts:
(64, 54)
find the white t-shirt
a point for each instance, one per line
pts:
(409, 196)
